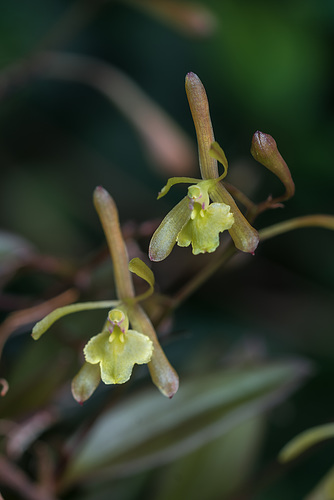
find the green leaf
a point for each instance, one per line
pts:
(305, 440)
(146, 430)
(200, 473)
(325, 489)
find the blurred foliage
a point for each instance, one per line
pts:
(116, 115)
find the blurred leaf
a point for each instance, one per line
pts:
(41, 369)
(14, 246)
(325, 489)
(189, 17)
(146, 430)
(216, 469)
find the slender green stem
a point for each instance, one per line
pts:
(318, 220)
(324, 221)
(203, 275)
(192, 285)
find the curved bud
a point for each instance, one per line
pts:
(264, 150)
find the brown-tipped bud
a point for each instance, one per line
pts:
(244, 236)
(162, 373)
(264, 150)
(199, 108)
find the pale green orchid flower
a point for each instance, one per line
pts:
(194, 221)
(111, 355)
(117, 349)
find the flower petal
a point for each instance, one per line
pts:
(116, 368)
(117, 358)
(164, 238)
(203, 231)
(96, 348)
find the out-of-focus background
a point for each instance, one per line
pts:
(92, 93)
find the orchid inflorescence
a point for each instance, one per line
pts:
(207, 210)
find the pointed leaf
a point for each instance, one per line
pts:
(146, 430)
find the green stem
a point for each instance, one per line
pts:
(319, 220)
(324, 221)
(196, 282)
(203, 275)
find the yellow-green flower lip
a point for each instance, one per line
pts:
(117, 349)
(192, 221)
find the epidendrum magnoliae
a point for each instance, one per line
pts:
(208, 209)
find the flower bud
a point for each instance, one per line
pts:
(264, 150)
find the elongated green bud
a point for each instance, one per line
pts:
(244, 236)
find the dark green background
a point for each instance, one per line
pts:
(266, 66)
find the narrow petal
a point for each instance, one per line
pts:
(164, 238)
(48, 321)
(218, 153)
(176, 180)
(138, 267)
